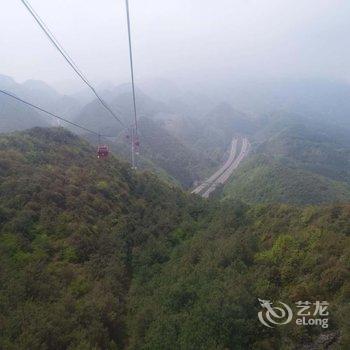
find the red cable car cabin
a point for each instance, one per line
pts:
(102, 151)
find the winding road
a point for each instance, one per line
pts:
(212, 178)
(224, 173)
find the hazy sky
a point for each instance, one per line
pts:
(179, 39)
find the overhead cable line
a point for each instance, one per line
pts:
(134, 129)
(67, 58)
(131, 63)
(53, 37)
(52, 114)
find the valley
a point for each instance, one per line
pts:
(223, 174)
(130, 259)
(228, 172)
(175, 175)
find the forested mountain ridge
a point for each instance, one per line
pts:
(94, 255)
(295, 160)
(95, 116)
(70, 226)
(162, 151)
(39, 93)
(177, 144)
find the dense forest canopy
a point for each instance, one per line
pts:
(94, 255)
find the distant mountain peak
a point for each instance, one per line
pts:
(39, 85)
(6, 80)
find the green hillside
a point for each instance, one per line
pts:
(95, 256)
(262, 179)
(295, 162)
(203, 293)
(70, 226)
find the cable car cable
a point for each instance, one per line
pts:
(131, 63)
(52, 114)
(134, 135)
(54, 38)
(67, 58)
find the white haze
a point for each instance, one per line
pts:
(187, 41)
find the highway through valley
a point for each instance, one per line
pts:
(224, 173)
